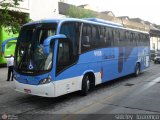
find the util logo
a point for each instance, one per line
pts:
(4, 116)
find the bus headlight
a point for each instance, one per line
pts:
(45, 80)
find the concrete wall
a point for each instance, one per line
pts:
(42, 9)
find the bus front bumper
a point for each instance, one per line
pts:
(45, 90)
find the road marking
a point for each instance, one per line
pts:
(149, 84)
(144, 87)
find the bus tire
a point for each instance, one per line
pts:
(137, 70)
(85, 85)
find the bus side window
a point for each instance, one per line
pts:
(85, 40)
(94, 38)
(116, 37)
(133, 39)
(110, 36)
(127, 38)
(84, 31)
(102, 36)
(144, 40)
(137, 39)
(89, 31)
(140, 39)
(107, 37)
(64, 55)
(72, 31)
(147, 40)
(122, 37)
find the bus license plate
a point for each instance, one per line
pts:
(27, 90)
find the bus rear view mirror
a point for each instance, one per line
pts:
(85, 41)
(47, 41)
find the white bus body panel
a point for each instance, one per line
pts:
(46, 90)
(55, 88)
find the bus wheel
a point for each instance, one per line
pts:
(137, 70)
(85, 85)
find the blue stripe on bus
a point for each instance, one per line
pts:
(111, 60)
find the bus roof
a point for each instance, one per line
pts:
(86, 20)
(104, 22)
(90, 20)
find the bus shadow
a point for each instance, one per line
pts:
(44, 103)
(118, 81)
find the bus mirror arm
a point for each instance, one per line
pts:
(47, 41)
(5, 42)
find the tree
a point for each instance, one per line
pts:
(76, 12)
(11, 19)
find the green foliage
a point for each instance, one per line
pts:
(76, 12)
(9, 18)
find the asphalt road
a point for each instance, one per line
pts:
(119, 99)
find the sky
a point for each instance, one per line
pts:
(148, 10)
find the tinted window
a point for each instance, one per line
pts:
(102, 36)
(116, 34)
(95, 43)
(72, 31)
(64, 55)
(109, 36)
(30, 58)
(122, 38)
(86, 33)
(90, 32)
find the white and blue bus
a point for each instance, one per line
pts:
(56, 57)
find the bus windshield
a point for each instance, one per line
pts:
(29, 57)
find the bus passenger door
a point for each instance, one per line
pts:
(65, 81)
(63, 56)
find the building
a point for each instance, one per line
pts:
(109, 13)
(44, 9)
(123, 17)
(155, 39)
(38, 9)
(86, 6)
